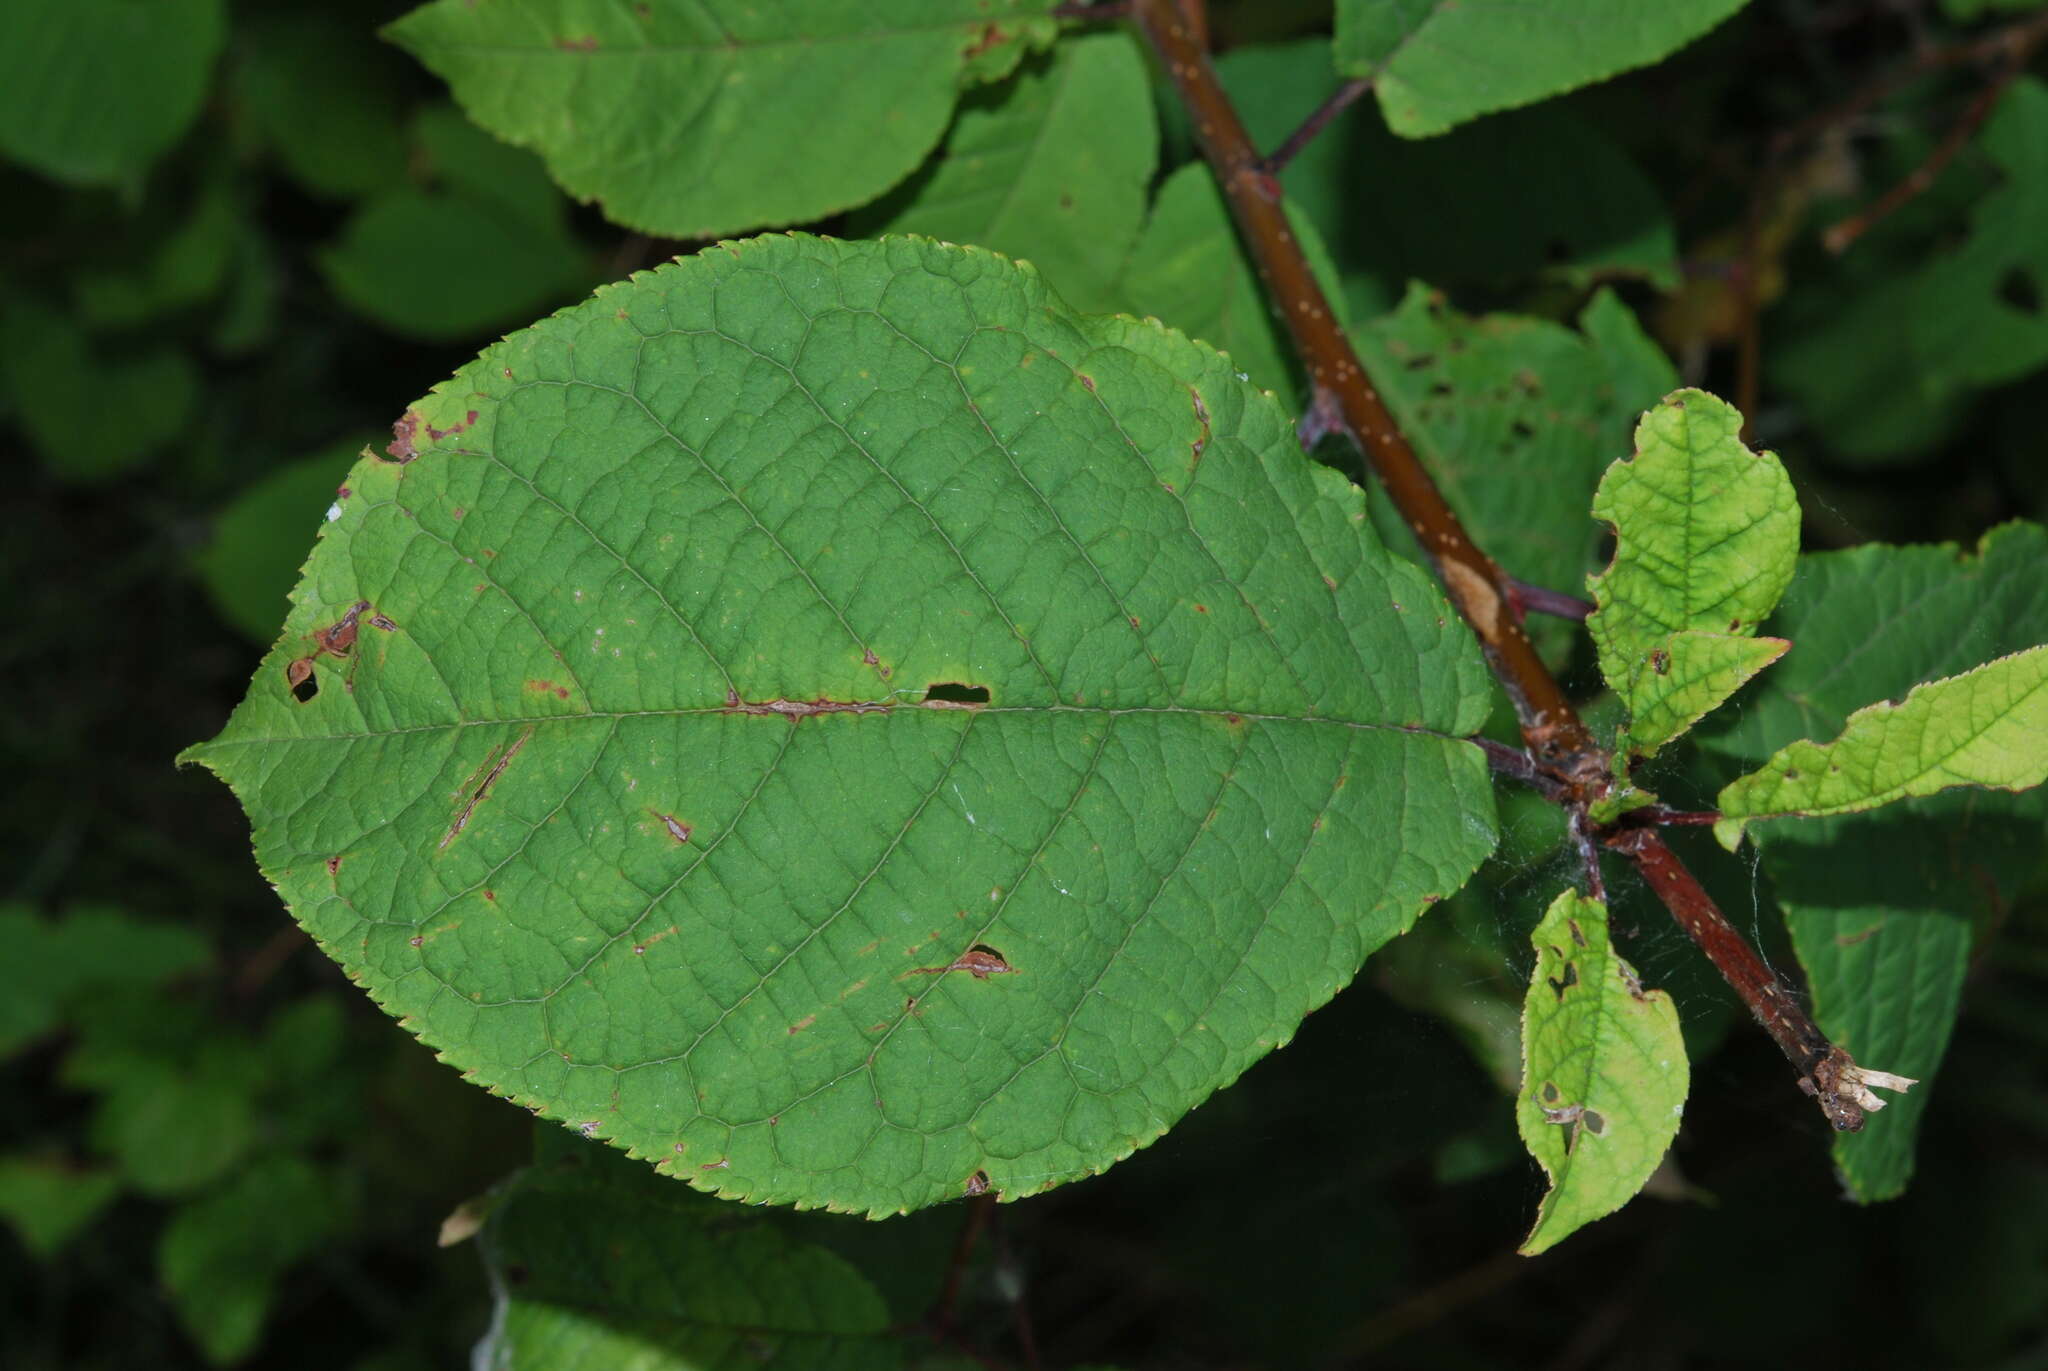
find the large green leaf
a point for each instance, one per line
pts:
(1437, 63)
(596, 1264)
(1706, 537)
(1051, 167)
(693, 118)
(1516, 418)
(1986, 727)
(1604, 1073)
(622, 785)
(92, 90)
(1882, 906)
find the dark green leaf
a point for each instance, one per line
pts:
(91, 91)
(596, 1264)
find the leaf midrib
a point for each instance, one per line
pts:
(875, 707)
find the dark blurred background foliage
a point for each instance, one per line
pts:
(215, 1152)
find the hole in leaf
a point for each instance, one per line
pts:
(1522, 428)
(1593, 1123)
(955, 693)
(2017, 288)
(300, 680)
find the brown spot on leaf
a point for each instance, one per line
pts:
(979, 961)
(298, 679)
(338, 639)
(400, 449)
(677, 829)
(495, 764)
(587, 43)
(380, 621)
(794, 710)
(333, 866)
(991, 36)
(801, 1024)
(560, 692)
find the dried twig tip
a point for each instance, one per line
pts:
(1856, 1082)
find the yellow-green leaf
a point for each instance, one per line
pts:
(1987, 727)
(1604, 1072)
(1706, 537)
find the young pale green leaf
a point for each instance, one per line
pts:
(1516, 418)
(833, 721)
(693, 118)
(91, 91)
(596, 1264)
(1437, 63)
(1706, 537)
(1051, 167)
(1189, 270)
(1604, 1072)
(1987, 727)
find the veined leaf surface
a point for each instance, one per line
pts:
(1706, 537)
(624, 781)
(1987, 727)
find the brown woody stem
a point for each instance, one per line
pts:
(1825, 1071)
(1479, 589)
(1573, 767)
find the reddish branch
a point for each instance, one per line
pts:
(1820, 1063)
(1562, 759)
(1482, 592)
